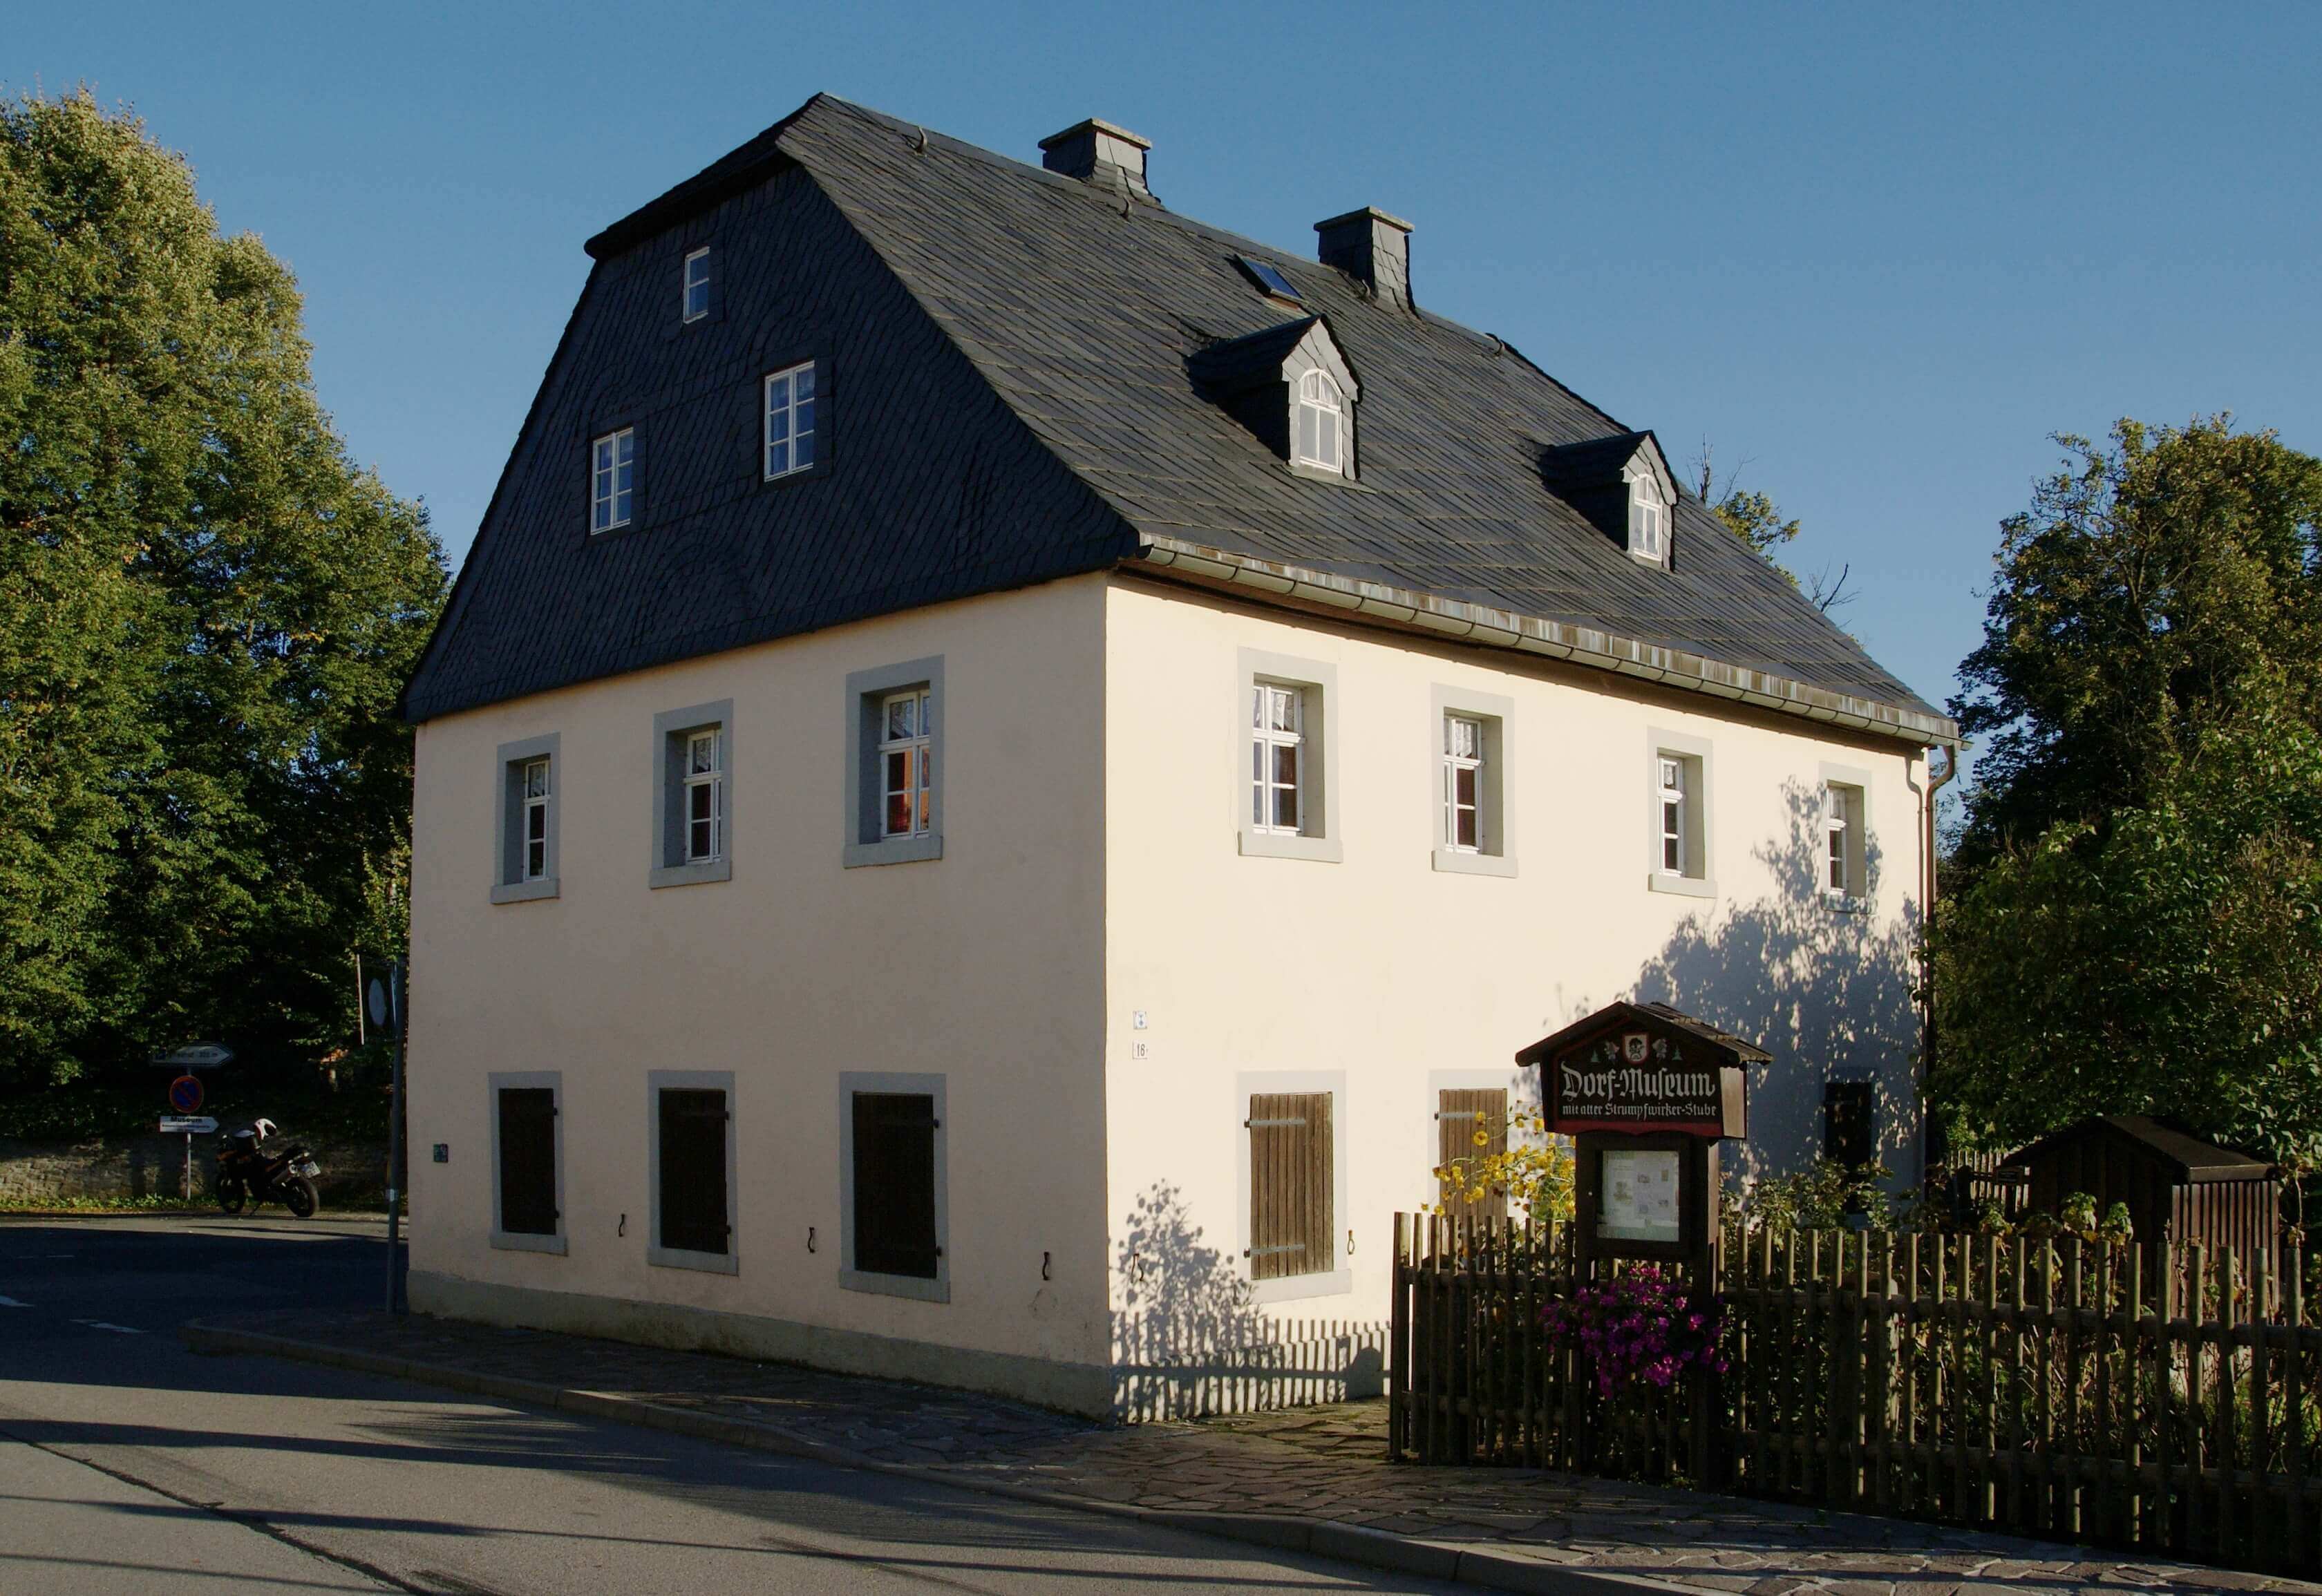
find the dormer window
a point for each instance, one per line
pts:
(1322, 423)
(1648, 517)
(697, 285)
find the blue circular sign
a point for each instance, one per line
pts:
(184, 1094)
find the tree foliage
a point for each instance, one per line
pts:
(1758, 521)
(207, 611)
(2133, 922)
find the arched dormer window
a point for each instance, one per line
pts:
(1648, 516)
(1319, 435)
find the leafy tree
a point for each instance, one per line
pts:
(206, 612)
(2167, 962)
(2157, 588)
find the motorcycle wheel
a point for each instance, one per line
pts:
(299, 1196)
(230, 1194)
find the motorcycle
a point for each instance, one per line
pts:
(249, 1171)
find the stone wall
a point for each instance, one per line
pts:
(34, 1173)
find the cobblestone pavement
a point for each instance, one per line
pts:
(1321, 1463)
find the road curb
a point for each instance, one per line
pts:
(1346, 1543)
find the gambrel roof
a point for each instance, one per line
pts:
(1057, 330)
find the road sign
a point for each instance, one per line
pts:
(188, 1124)
(197, 1055)
(376, 1000)
(186, 1094)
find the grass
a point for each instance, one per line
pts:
(155, 1204)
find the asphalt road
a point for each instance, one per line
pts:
(128, 1464)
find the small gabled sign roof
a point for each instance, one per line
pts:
(2193, 1161)
(1613, 1016)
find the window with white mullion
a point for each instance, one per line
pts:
(1321, 422)
(1278, 759)
(535, 820)
(790, 405)
(705, 797)
(1648, 518)
(613, 472)
(1463, 783)
(697, 285)
(906, 762)
(1673, 816)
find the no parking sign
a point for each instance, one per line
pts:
(186, 1094)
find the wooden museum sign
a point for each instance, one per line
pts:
(1647, 1094)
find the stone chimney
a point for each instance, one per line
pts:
(1371, 245)
(1098, 153)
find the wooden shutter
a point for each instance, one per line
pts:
(528, 1160)
(1459, 1115)
(1292, 1221)
(693, 1170)
(895, 1183)
(1849, 1128)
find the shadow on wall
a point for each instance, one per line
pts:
(1187, 1340)
(1826, 990)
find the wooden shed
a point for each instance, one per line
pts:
(2178, 1187)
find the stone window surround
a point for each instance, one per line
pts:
(525, 1241)
(1321, 841)
(730, 1262)
(669, 866)
(1859, 853)
(1699, 880)
(1496, 823)
(509, 885)
(1291, 1288)
(851, 1279)
(866, 690)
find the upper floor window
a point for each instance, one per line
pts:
(705, 796)
(535, 788)
(697, 285)
(1648, 518)
(613, 479)
(1319, 435)
(1844, 856)
(1277, 758)
(1463, 783)
(790, 421)
(906, 762)
(1674, 802)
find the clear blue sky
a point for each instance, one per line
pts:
(1875, 254)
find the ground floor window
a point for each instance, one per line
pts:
(1293, 1219)
(1470, 1126)
(692, 1171)
(892, 1131)
(528, 1176)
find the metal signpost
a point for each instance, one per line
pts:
(190, 1127)
(385, 1001)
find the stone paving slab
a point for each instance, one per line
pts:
(1316, 1477)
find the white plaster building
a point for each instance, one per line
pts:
(999, 751)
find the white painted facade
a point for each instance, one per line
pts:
(1096, 870)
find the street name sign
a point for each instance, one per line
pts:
(188, 1124)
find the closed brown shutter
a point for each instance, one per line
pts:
(528, 1160)
(895, 1183)
(1291, 1217)
(1459, 1115)
(693, 1170)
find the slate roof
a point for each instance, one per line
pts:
(1086, 312)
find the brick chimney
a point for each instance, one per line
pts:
(1098, 153)
(1371, 245)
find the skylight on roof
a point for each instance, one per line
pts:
(1268, 278)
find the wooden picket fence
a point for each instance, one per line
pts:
(2144, 1396)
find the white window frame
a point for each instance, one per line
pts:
(1692, 792)
(711, 779)
(788, 411)
(1648, 516)
(689, 281)
(532, 835)
(515, 811)
(1492, 714)
(1463, 755)
(613, 480)
(868, 842)
(916, 747)
(1291, 1287)
(1320, 395)
(1317, 837)
(1272, 703)
(1844, 821)
(673, 862)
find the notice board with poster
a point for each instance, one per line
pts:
(1647, 1093)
